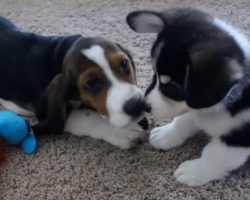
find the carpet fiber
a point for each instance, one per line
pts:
(69, 167)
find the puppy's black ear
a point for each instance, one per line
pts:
(145, 21)
(207, 80)
(52, 110)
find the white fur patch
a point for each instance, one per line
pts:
(90, 123)
(217, 122)
(97, 55)
(235, 69)
(117, 96)
(119, 92)
(163, 107)
(164, 79)
(213, 121)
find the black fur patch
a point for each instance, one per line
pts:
(239, 137)
(28, 62)
(152, 85)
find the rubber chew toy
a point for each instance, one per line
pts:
(15, 130)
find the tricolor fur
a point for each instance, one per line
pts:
(50, 75)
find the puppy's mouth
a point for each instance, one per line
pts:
(134, 120)
(131, 121)
(132, 112)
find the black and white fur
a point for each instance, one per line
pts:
(202, 80)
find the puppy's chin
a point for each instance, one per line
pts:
(160, 114)
(123, 120)
(120, 120)
(165, 108)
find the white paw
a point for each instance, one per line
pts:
(196, 173)
(164, 138)
(125, 138)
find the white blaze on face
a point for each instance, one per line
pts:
(118, 93)
(164, 107)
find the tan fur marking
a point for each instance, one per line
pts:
(95, 100)
(115, 60)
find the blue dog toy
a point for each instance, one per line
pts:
(15, 130)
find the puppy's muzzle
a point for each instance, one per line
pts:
(135, 107)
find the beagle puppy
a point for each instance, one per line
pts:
(202, 80)
(49, 76)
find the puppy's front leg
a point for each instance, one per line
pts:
(90, 123)
(173, 134)
(217, 161)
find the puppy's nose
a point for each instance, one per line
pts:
(136, 106)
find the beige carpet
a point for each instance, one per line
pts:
(69, 167)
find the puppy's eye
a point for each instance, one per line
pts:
(94, 85)
(124, 67)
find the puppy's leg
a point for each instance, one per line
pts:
(217, 161)
(173, 134)
(89, 123)
(15, 108)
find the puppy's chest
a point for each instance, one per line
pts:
(216, 123)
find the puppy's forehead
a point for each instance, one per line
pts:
(86, 43)
(100, 51)
(97, 54)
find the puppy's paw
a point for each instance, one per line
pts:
(164, 138)
(196, 173)
(125, 138)
(120, 141)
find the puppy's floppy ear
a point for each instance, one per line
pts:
(52, 109)
(145, 21)
(207, 79)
